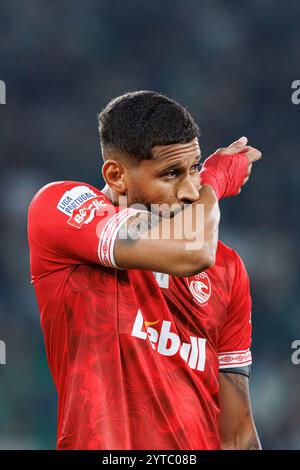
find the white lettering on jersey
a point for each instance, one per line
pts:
(168, 343)
(74, 198)
(80, 204)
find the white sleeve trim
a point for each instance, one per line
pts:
(235, 359)
(109, 235)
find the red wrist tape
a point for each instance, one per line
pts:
(225, 173)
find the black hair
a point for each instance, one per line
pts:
(137, 121)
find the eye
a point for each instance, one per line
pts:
(196, 167)
(171, 173)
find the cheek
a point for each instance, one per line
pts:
(151, 190)
(138, 192)
(196, 180)
(159, 188)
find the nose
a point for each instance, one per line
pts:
(188, 192)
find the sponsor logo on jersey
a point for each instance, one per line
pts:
(80, 204)
(168, 343)
(200, 288)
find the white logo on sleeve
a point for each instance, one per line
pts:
(167, 343)
(80, 204)
(200, 288)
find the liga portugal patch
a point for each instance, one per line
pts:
(81, 204)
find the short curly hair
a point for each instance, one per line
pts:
(135, 122)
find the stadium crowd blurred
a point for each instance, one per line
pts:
(231, 64)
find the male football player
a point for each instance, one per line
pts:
(136, 326)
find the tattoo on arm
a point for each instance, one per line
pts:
(137, 226)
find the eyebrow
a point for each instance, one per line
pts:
(178, 164)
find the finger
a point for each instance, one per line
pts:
(253, 155)
(241, 142)
(236, 147)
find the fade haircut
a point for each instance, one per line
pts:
(135, 122)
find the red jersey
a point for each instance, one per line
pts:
(134, 355)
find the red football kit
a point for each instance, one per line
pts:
(134, 355)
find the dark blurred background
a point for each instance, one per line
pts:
(232, 65)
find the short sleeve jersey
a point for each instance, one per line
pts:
(134, 355)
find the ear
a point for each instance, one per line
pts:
(114, 174)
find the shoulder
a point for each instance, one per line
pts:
(233, 263)
(231, 260)
(70, 190)
(61, 201)
(227, 254)
(64, 196)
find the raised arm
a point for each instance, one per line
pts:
(75, 223)
(142, 244)
(222, 175)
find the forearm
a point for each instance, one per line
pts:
(236, 424)
(211, 219)
(195, 250)
(244, 440)
(183, 245)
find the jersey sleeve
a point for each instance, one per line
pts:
(72, 223)
(235, 337)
